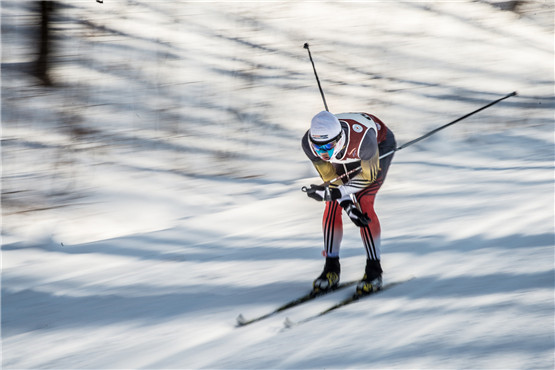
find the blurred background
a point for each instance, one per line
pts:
(174, 109)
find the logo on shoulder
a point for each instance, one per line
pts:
(357, 128)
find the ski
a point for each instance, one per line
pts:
(241, 321)
(347, 301)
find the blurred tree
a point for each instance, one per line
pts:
(42, 63)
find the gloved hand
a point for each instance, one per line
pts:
(353, 212)
(319, 193)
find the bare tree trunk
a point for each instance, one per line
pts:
(42, 63)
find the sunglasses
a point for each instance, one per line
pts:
(327, 147)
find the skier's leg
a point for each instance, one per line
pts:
(370, 233)
(332, 226)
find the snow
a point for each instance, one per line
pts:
(153, 194)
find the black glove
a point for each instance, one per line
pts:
(316, 192)
(319, 193)
(356, 216)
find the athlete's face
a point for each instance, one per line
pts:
(325, 151)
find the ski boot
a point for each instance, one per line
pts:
(329, 278)
(372, 280)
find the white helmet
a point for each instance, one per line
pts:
(326, 135)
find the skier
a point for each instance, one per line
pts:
(336, 145)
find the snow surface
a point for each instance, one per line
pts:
(153, 194)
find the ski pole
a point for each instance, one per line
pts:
(316, 75)
(304, 188)
(453, 122)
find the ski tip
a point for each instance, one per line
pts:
(288, 323)
(241, 320)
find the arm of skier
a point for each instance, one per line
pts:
(325, 169)
(370, 166)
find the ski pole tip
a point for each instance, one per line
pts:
(513, 93)
(305, 45)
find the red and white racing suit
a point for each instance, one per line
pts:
(366, 139)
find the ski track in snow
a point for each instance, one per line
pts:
(154, 194)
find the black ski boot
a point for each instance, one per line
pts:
(372, 280)
(329, 278)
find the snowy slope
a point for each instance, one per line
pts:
(153, 195)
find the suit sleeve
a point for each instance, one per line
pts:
(369, 163)
(370, 157)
